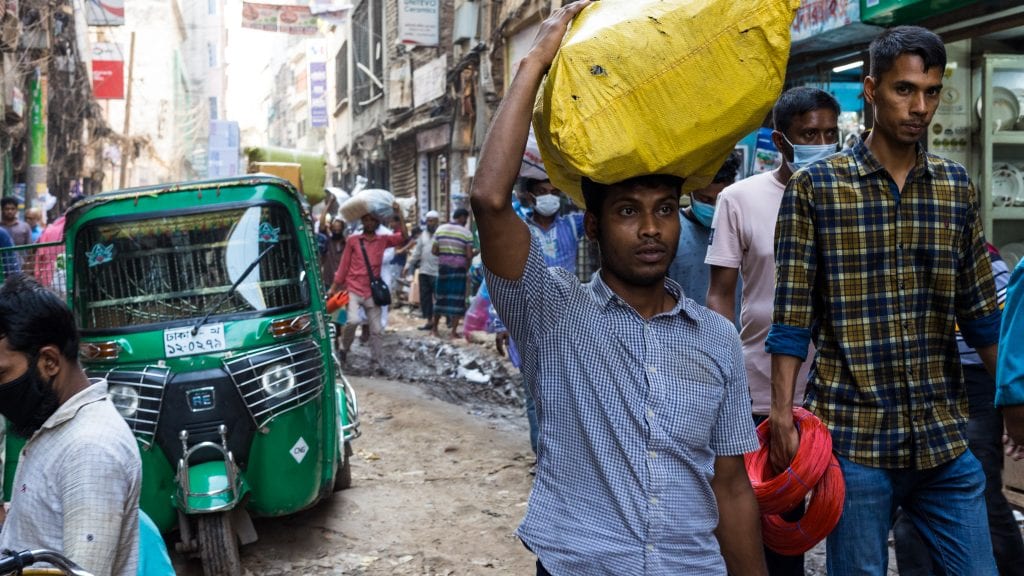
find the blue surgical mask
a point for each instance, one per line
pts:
(805, 154)
(702, 211)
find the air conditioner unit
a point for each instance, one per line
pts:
(466, 18)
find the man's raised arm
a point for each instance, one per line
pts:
(504, 238)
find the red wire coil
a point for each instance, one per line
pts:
(813, 470)
(822, 515)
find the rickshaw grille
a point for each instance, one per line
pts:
(304, 361)
(149, 383)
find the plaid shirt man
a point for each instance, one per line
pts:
(879, 278)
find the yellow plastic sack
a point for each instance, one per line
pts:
(659, 87)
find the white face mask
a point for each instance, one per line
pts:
(547, 204)
(805, 154)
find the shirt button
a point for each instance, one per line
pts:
(653, 501)
(650, 547)
(650, 413)
(652, 454)
(652, 369)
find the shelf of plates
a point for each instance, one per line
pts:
(1000, 176)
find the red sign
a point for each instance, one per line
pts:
(107, 71)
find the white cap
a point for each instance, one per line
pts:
(432, 214)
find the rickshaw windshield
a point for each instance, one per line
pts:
(177, 267)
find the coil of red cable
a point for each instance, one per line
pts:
(822, 515)
(814, 468)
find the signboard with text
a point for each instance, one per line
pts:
(419, 22)
(107, 71)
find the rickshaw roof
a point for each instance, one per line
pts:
(256, 179)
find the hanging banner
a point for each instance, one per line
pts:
(297, 20)
(37, 120)
(316, 53)
(107, 71)
(816, 17)
(419, 22)
(430, 81)
(104, 12)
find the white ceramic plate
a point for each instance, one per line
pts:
(1012, 253)
(1007, 185)
(1005, 109)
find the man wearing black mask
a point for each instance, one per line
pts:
(76, 488)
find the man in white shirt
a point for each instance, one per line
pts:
(743, 242)
(76, 489)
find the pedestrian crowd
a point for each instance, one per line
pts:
(855, 283)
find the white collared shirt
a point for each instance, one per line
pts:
(77, 486)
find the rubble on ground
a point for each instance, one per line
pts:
(452, 369)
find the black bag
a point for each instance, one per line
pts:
(379, 290)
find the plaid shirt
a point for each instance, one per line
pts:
(879, 277)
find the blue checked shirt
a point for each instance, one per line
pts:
(632, 414)
(559, 242)
(880, 278)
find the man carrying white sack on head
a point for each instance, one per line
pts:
(641, 393)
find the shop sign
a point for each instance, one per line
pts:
(419, 22)
(104, 12)
(430, 81)
(894, 12)
(817, 16)
(107, 71)
(278, 18)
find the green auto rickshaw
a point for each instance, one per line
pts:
(202, 306)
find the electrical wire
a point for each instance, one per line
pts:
(814, 470)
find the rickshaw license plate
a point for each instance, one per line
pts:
(181, 341)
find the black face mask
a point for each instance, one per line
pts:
(27, 401)
(337, 235)
(431, 229)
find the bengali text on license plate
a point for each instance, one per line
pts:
(181, 341)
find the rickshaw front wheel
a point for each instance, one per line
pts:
(218, 545)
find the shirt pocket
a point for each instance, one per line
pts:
(691, 397)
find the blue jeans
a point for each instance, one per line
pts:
(945, 503)
(985, 436)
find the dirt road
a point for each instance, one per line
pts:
(437, 491)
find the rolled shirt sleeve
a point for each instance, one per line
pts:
(795, 270)
(977, 306)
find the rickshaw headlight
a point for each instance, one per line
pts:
(277, 379)
(125, 399)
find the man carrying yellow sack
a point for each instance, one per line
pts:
(641, 394)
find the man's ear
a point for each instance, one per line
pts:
(590, 225)
(49, 362)
(778, 140)
(869, 89)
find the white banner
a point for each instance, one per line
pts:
(419, 22)
(429, 81)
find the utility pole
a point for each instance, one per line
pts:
(126, 153)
